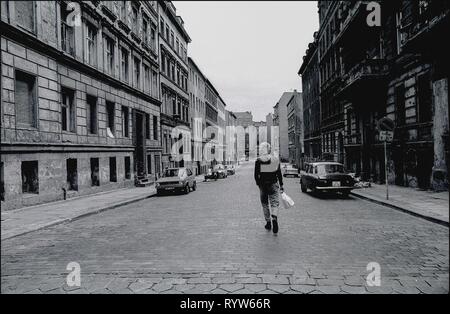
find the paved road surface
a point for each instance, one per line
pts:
(213, 241)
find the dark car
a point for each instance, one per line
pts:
(211, 174)
(230, 169)
(326, 176)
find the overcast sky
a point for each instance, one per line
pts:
(251, 51)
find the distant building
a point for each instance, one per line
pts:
(280, 119)
(309, 72)
(295, 126)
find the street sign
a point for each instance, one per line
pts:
(386, 136)
(386, 124)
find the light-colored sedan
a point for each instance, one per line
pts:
(176, 179)
(289, 170)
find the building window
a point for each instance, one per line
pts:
(149, 164)
(25, 14)
(172, 38)
(92, 114)
(137, 72)
(147, 126)
(399, 32)
(178, 46)
(147, 79)
(68, 110)
(161, 26)
(153, 38)
(67, 31)
(155, 89)
(110, 118)
(112, 169)
(25, 97)
(134, 19)
(155, 128)
(400, 105)
(167, 32)
(163, 63)
(425, 97)
(125, 122)
(124, 65)
(127, 168)
(95, 172)
(72, 174)
(30, 177)
(91, 43)
(109, 55)
(145, 30)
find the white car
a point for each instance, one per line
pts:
(289, 170)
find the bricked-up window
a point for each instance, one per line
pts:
(125, 122)
(112, 169)
(149, 164)
(67, 110)
(92, 114)
(425, 97)
(25, 14)
(127, 168)
(25, 96)
(67, 31)
(110, 117)
(124, 64)
(147, 126)
(30, 177)
(72, 174)
(155, 128)
(95, 172)
(2, 182)
(400, 105)
(137, 72)
(109, 55)
(91, 44)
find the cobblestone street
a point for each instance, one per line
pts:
(213, 241)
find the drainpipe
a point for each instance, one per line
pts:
(64, 193)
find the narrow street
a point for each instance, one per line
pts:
(213, 241)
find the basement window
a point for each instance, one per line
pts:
(72, 174)
(112, 169)
(30, 177)
(127, 168)
(95, 172)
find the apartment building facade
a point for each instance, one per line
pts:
(295, 129)
(396, 69)
(174, 72)
(80, 98)
(197, 86)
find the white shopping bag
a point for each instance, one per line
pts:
(287, 201)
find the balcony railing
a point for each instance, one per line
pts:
(368, 69)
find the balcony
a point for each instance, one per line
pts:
(430, 25)
(365, 76)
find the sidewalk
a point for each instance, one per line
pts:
(433, 206)
(28, 219)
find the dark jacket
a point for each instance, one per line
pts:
(268, 171)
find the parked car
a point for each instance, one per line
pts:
(326, 176)
(221, 171)
(176, 179)
(230, 169)
(211, 174)
(290, 170)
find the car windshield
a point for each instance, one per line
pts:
(171, 173)
(324, 169)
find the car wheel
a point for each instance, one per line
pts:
(346, 193)
(158, 192)
(303, 188)
(187, 189)
(194, 187)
